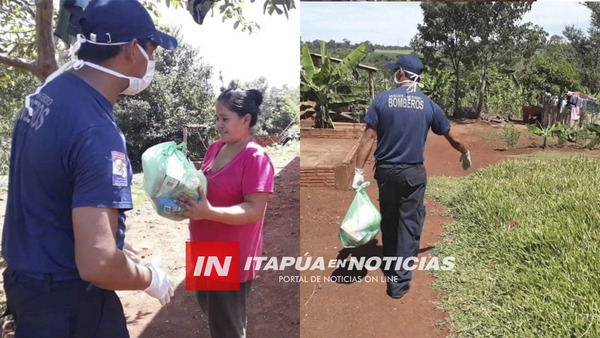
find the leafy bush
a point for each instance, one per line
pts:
(511, 135)
(15, 85)
(581, 137)
(594, 128)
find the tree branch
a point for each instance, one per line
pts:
(17, 62)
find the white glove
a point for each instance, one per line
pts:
(161, 287)
(131, 252)
(359, 179)
(466, 160)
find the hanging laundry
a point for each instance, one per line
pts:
(563, 106)
(573, 100)
(575, 113)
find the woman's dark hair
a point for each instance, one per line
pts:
(242, 102)
(101, 53)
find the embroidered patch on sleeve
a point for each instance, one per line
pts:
(119, 174)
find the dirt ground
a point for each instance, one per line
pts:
(362, 309)
(273, 306)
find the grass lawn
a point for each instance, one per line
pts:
(393, 51)
(526, 239)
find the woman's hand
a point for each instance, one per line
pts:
(195, 210)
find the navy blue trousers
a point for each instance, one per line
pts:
(401, 194)
(50, 307)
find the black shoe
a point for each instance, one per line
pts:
(400, 294)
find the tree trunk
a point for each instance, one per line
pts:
(45, 63)
(456, 90)
(482, 89)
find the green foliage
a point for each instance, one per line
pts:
(522, 241)
(438, 85)
(595, 141)
(511, 135)
(594, 128)
(330, 85)
(562, 139)
(549, 71)
(281, 106)
(12, 98)
(17, 32)
(504, 96)
(503, 39)
(565, 133)
(546, 132)
(581, 136)
(341, 49)
(180, 94)
(586, 49)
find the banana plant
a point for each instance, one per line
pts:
(438, 86)
(546, 132)
(330, 86)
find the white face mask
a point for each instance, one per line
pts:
(136, 85)
(414, 77)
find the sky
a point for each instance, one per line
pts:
(395, 23)
(271, 52)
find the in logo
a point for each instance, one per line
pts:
(212, 266)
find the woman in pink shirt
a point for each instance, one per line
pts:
(239, 180)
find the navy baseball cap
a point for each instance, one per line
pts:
(113, 21)
(407, 62)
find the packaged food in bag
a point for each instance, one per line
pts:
(167, 175)
(362, 220)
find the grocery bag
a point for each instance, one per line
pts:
(361, 223)
(167, 175)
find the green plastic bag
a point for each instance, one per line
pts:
(362, 220)
(167, 175)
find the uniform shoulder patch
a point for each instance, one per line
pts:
(119, 173)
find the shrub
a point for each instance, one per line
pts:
(511, 135)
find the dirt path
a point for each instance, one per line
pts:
(362, 309)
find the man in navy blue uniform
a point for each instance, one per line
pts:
(400, 119)
(70, 184)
